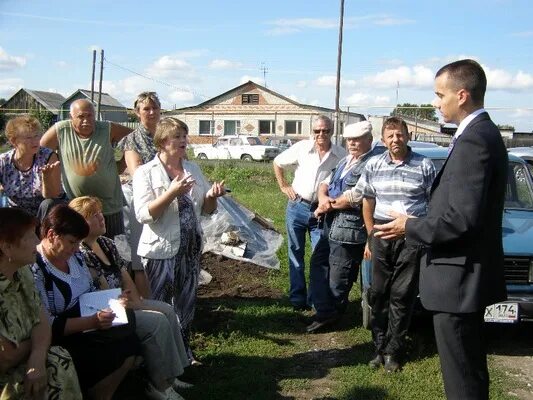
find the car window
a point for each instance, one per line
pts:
(221, 142)
(519, 189)
(254, 141)
(235, 142)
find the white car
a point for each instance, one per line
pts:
(246, 148)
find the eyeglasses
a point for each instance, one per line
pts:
(318, 131)
(28, 138)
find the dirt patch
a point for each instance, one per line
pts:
(232, 278)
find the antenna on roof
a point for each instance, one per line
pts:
(264, 70)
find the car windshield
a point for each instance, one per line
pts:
(519, 191)
(253, 141)
(519, 188)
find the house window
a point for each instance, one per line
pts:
(206, 127)
(250, 99)
(293, 127)
(267, 127)
(232, 127)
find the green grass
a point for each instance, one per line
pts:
(258, 349)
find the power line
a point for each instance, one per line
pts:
(181, 89)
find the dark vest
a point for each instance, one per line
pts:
(347, 226)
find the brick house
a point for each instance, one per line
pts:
(252, 109)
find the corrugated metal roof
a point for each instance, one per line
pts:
(107, 100)
(52, 101)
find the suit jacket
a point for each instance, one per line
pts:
(462, 271)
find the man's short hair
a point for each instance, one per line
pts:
(322, 117)
(79, 101)
(469, 75)
(395, 122)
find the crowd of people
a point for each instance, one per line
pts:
(434, 234)
(424, 232)
(65, 186)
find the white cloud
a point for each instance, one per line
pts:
(9, 86)
(219, 63)
(500, 79)
(284, 26)
(181, 97)
(419, 77)
(331, 80)
(8, 62)
(171, 66)
(365, 99)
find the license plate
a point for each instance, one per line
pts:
(502, 312)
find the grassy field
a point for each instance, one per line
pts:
(259, 348)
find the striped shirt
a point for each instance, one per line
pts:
(403, 187)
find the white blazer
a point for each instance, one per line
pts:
(160, 238)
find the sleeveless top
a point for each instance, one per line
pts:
(88, 165)
(23, 188)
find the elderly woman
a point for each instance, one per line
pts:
(29, 173)
(138, 148)
(62, 277)
(29, 367)
(169, 195)
(157, 326)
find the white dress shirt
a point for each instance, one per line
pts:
(310, 169)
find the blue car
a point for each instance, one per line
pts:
(517, 230)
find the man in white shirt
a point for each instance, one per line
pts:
(314, 159)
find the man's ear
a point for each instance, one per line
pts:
(463, 96)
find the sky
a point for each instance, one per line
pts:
(190, 51)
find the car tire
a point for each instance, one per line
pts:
(366, 309)
(247, 158)
(201, 156)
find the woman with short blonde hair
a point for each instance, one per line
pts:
(29, 173)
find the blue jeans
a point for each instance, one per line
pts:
(334, 269)
(300, 222)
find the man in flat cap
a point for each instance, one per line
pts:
(398, 180)
(337, 255)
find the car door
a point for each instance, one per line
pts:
(221, 149)
(235, 148)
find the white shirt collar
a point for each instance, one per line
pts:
(464, 123)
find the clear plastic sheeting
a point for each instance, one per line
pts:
(232, 219)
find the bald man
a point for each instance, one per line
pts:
(88, 165)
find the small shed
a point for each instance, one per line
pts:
(25, 101)
(110, 108)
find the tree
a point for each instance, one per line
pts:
(2, 101)
(45, 117)
(506, 127)
(422, 111)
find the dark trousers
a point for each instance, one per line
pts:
(334, 269)
(395, 268)
(463, 355)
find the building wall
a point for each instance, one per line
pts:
(22, 103)
(108, 113)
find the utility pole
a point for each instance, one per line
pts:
(264, 70)
(338, 86)
(92, 76)
(100, 87)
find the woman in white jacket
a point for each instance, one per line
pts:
(169, 195)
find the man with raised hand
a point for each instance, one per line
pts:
(88, 166)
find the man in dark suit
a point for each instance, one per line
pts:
(462, 271)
